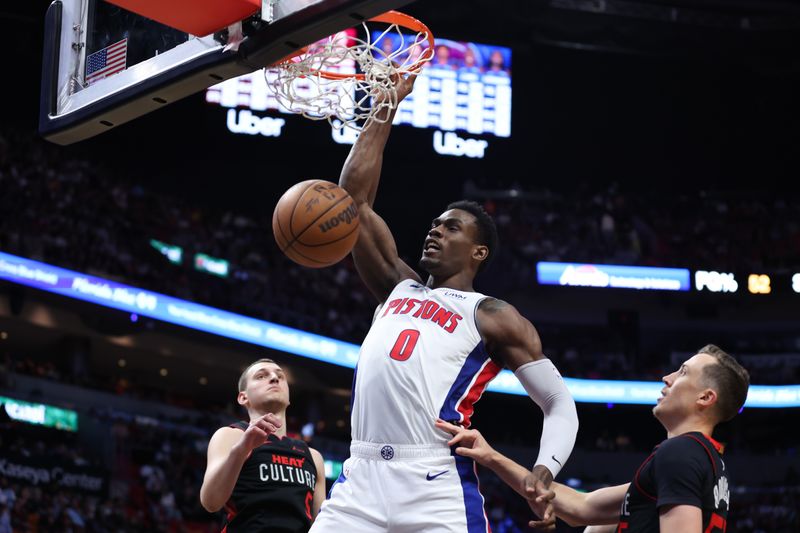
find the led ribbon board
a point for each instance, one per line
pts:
(645, 392)
(613, 276)
(218, 322)
(175, 311)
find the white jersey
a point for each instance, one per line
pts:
(422, 359)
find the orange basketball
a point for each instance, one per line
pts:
(315, 223)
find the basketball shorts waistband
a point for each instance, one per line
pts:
(397, 452)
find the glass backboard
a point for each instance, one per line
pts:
(104, 66)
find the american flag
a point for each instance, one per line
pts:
(108, 61)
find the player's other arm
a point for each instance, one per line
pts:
(228, 449)
(601, 506)
(513, 339)
(375, 253)
(225, 460)
(319, 487)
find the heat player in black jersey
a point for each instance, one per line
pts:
(265, 480)
(681, 487)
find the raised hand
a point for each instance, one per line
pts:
(404, 86)
(259, 431)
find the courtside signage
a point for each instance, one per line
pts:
(218, 322)
(40, 414)
(613, 276)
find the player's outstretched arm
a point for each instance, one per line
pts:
(599, 507)
(228, 449)
(513, 339)
(375, 253)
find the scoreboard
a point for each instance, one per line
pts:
(465, 89)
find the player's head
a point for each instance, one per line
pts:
(263, 387)
(464, 237)
(711, 386)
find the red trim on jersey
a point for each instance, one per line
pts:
(231, 508)
(467, 404)
(636, 476)
(716, 522)
(703, 444)
(230, 516)
(717, 445)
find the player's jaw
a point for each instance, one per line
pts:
(442, 258)
(680, 391)
(448, 246)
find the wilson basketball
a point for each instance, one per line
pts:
(315, 223)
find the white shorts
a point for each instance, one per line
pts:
(403, 489)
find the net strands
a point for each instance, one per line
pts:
(346, 80)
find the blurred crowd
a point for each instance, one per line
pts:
(725, 230)
(151, 472)
(152, 485)
(71, 213)
(68, 212)
(148, 483)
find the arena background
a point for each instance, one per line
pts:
(637, 138)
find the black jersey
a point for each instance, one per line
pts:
(683, 470)
(275, 489)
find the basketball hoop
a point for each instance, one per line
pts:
(347, 80)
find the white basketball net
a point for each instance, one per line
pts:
(299, 86)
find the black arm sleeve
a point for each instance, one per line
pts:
(682, 467)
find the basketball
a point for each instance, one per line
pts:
(315, 223)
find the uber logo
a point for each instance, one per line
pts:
(451, 144)
(248, 123)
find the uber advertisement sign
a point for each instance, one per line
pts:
(245, 122)
(461, 100)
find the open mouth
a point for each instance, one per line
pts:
(431, 246)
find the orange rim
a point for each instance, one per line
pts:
(390, 17)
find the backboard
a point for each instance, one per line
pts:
(104, 66)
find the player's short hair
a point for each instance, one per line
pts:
(487, 231)
(243, 377)
(729, 378)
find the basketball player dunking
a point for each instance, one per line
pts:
(266, 481)
(431, 351)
